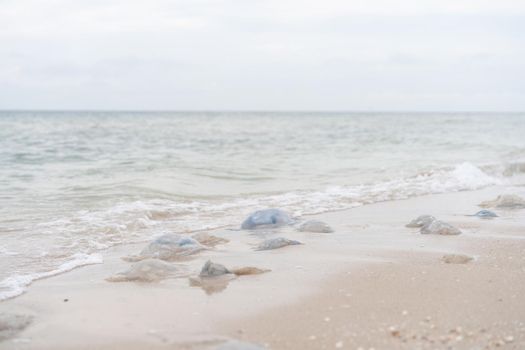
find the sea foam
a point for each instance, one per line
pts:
(15, 285)
(139, 221)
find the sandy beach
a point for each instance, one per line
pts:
(371, 284)
(251, 175)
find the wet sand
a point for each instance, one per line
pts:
(417, 304)
(373, 283)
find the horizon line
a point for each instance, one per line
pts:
(253, 110)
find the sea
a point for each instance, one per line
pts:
(75, 183)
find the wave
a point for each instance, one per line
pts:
(515, 168)
(463, 177)
(90, 232)
(15, 285)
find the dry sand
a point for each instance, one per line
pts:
(373, 283)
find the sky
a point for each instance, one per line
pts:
(368, 55)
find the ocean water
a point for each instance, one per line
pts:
(75, 183)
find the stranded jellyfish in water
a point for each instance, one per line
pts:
(315, 226)
(169, 247)
(148, 270)
(275, 243)
(265, 218)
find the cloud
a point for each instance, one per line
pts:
(227, 54)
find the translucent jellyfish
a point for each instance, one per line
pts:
(505, 201)
(421, 221)
(213, 278)
(438, 227)
(456, 258)
(266, 217)
(315, 226)
(148, 270)
(211, 269)
(248, 270)
(211, 285)
(169, 247)
(485, 214)
(275, 243)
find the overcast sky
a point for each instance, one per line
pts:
(262, 55)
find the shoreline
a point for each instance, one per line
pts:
(151, 217)
(369, 248)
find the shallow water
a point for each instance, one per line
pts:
(75, 183)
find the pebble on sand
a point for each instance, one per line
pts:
(456, 258)
(275, 243)
(169, 247)
(508, 339)
(439, 227)
(394, 331)
(149, 270)
(421, 221)
(315, 226)
(265, 218)
(505, 201)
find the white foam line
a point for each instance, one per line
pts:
(17, 285)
